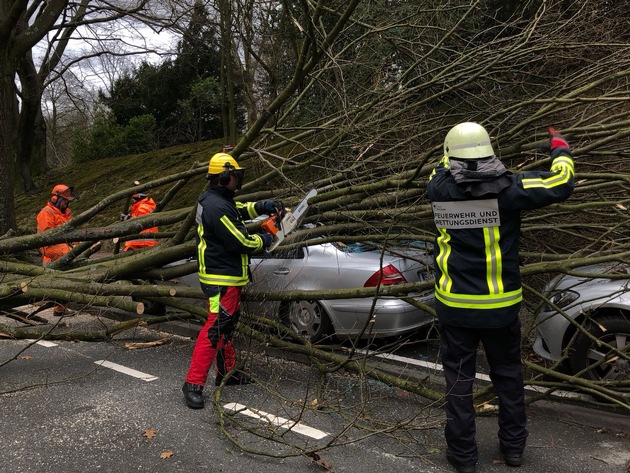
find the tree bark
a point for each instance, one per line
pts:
(30, 159)
(8, 120)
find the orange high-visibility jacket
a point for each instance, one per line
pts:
(142, 207)
(51, 217)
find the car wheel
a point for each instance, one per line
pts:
(598, 362)
(308, 319)
(153, 308)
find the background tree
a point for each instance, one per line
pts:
(200, 52)
(266, 39)
(67, 105)
(180, 92)
(105, 138)
(200, 113)
(24, 25)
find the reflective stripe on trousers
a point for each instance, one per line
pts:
(216, 335)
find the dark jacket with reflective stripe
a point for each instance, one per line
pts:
(223, 242)
(478, 280)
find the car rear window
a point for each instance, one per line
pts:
(363, 247)
(353, 248)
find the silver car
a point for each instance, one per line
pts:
(602, 307)
(340, 266)
(344, 266)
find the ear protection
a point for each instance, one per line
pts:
(224, 177)
(55, 199)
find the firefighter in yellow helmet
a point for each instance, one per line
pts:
(223, 249)
(477, 206)
(56, 212)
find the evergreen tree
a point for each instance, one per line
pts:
(180, 94)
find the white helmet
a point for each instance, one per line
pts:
(468, 141)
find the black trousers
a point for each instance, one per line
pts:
(503, 351)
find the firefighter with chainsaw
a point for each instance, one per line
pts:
(54, 214)
(223, 249)
(142, 205)
(477, 206)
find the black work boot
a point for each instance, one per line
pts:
(233, 378)
(512, 458)
(193, 393)
(458, 466)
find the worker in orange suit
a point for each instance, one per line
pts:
(56, 213)
(142, 205)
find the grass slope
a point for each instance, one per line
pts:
(95, 180)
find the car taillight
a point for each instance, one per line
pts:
(387, 276)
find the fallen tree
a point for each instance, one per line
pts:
(371, 153)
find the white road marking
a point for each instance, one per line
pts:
(297, 427)
(409, 361)
(125, 370)
(483, 377)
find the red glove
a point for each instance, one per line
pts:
(556, 139)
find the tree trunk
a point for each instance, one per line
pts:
(30, 159)
(8, 119)
(227, 74)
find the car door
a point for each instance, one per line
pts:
(273, 272)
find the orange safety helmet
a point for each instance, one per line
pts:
(63, 191)
(138, 196)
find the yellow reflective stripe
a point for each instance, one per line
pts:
(201, 250)
(260, 240)
(249, 208)
(562, 162)
(444, 161)
(549, 182)
(474, 301)
(251, 242)
(494, 260)
(225, 279)
(563, 165)
(222, 280)
(443, 240)
(213, 303)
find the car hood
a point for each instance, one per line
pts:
(589, 275)
(594, 290)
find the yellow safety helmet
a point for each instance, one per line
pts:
(468, 141)
(223, 165)
(222, 162)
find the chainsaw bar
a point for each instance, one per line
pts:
(290, 221)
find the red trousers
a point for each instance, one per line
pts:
(215, 338)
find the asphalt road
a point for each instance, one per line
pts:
(81, 406)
